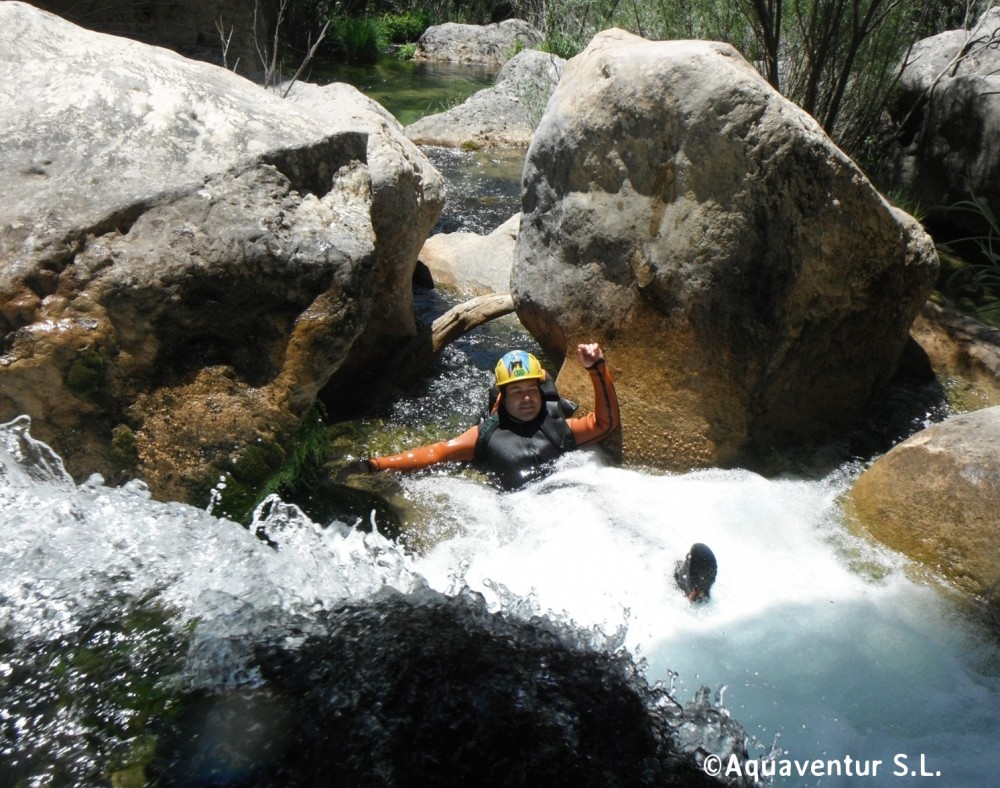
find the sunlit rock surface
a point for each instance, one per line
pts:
(490, 45)
(751, 287)
(186, 258)
(936, 498)
(503, 116)
(470, 263)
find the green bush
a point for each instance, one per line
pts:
(357, 40)
(971, 277)
(406, 51)
(560, 45)
(404, 28)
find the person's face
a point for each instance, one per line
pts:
(523, 401)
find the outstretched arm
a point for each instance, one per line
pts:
(605, 419)
(460, 449)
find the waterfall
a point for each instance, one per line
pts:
(835, 651)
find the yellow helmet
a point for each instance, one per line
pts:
(516, 366)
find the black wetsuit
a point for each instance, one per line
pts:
(515, 452)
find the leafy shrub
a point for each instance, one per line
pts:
(404, 28)
(357, 40)
(971, 280)
(406, 51)
(560, 45)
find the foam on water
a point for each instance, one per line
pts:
(821, 638)
(67, 551)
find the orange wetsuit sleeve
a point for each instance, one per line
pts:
(605, 419)
(459, 449)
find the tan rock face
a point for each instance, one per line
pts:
(963, 352)
(407, 199)
(472, 264)
(752, 288)
(936, 498)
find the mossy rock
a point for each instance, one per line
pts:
(124, 449)
(256, 463)
(85, 374)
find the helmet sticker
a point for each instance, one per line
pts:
(518, 365)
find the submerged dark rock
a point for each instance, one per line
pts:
(428, 689)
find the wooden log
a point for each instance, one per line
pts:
(419, 353)
(468, 315)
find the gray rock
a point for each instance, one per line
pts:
(490, 45)
(187, 259)
(185, 26)
(752, 288)
(936, 498)
(950, 148)
(408, 195)
(473, 264)
(503, 116)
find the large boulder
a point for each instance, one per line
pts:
(486, 45)
(190, 27)
(408, 195)
(185, 259)
(753, 288)
(948, 98)
(936, 498)
(503, 116)
(430, 690)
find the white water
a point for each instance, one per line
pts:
(819, 638)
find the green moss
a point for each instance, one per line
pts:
(470, 145)
(85, 374)
(111, 674)
(965, 396)
(124, 451)
(256, 463)
(236, 500)
(233, 484)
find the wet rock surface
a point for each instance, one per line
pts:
(717, 227)
(426, 689)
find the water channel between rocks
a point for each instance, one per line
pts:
(838, 649)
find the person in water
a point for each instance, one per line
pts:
(527, 427)
(695, 575)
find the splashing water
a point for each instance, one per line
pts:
(824, 642)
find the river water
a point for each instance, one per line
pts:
(817, 641)
(849, 664)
